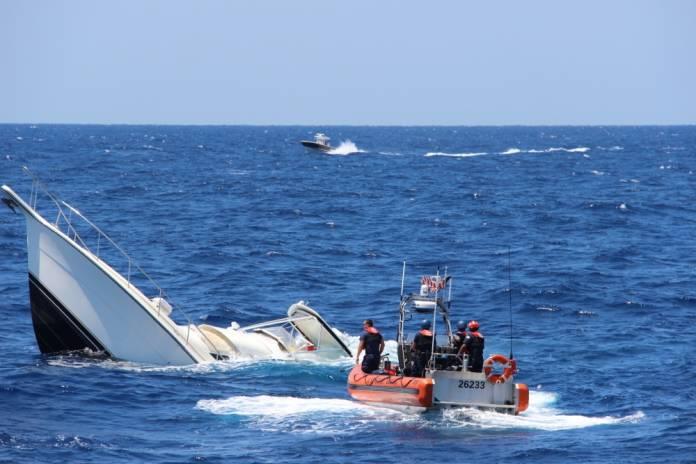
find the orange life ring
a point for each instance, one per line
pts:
(508, 371)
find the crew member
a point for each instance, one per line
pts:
(421, 348)
(372, 342)
(473, 346)
(457, 342)
(459, 335)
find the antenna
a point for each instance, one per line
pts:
(510, 300)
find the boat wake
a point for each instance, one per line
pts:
(345, 148)
(541, 415)
(337, 416)
(509, 151)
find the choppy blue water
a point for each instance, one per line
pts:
(237, 223)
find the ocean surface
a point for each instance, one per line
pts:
(237, 223)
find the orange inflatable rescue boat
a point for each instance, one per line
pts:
(390, 389)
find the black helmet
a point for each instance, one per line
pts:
(461, 325)
(425, 324)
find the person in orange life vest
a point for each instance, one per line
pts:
(421, 348)
(473, 346)
(372, 342)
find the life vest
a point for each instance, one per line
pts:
(423, 341)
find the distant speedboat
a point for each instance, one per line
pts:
(79, 302)
(321, 142)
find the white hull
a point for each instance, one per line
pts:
(80, 302)
(463, 388)
(112, 312)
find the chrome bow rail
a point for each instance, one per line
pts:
(103, 247)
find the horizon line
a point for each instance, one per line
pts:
(336, 125)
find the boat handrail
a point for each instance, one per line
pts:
(277, 322)
(38, 187)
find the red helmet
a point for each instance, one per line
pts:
(473, 325)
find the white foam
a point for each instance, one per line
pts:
(568, 150)
(455, 155)
(510, 151)
(315, 416)
(326, 415)
(540, 416)
(277, 406)
(345, 148)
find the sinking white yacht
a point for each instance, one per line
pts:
(81, 302)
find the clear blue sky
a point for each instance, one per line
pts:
(348, 62)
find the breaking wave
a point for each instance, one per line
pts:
(556, 149)
(455, 155)
(510, 151)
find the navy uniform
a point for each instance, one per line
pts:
(372, 342)
(459, 336)
(457, 342)
(422, 349)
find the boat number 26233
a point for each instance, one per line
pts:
(472, 384)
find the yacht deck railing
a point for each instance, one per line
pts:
(66, 224)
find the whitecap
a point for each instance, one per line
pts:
(455, 155)
(586, 313)
(511, 151)
(568, 150)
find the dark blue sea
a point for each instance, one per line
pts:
(238, 223)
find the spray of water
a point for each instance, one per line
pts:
(345, 148)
